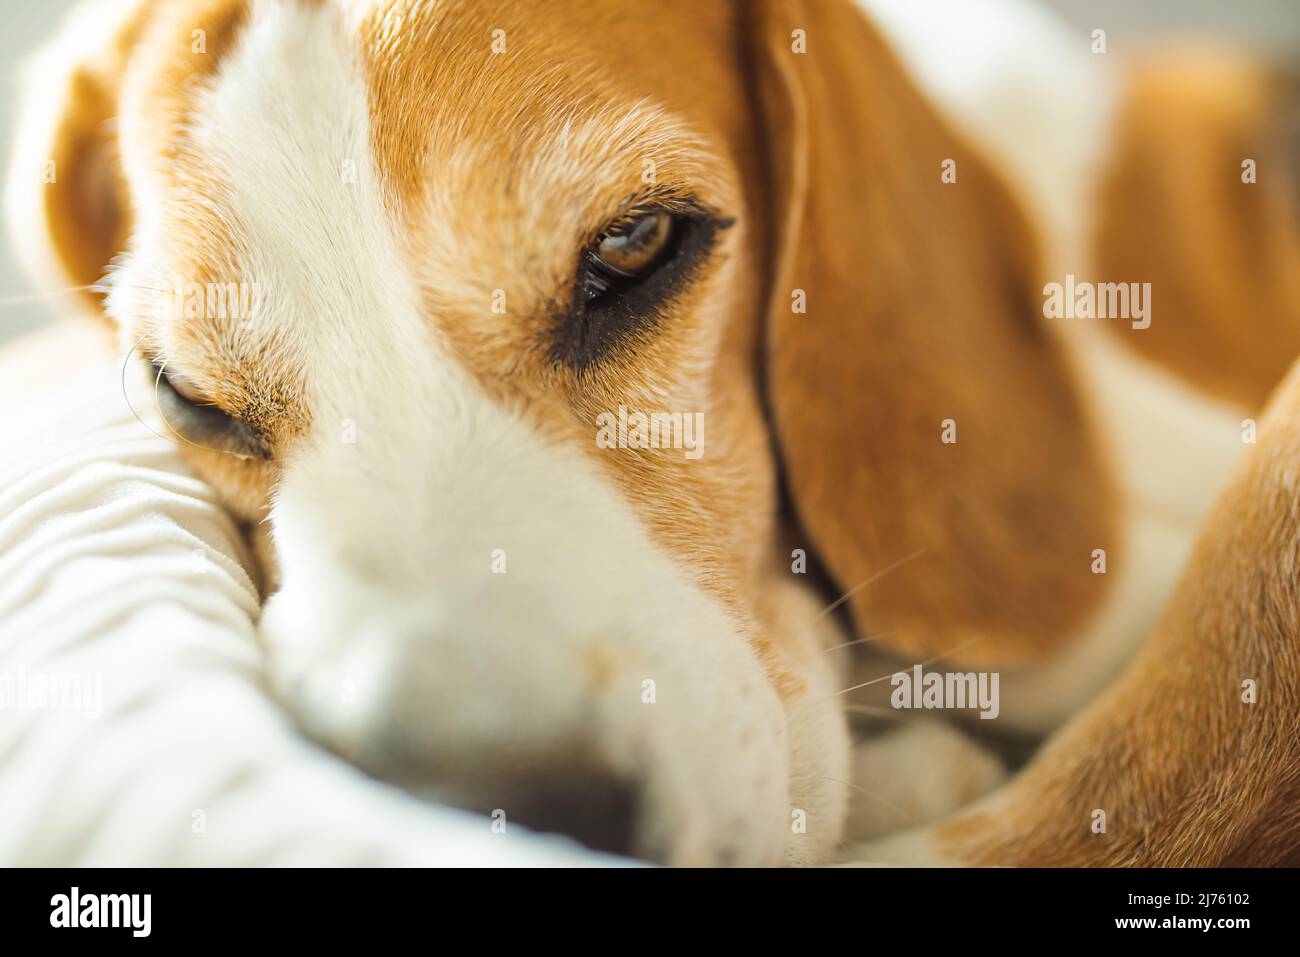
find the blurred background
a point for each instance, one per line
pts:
(1271, 26)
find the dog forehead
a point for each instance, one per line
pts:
(460, 48)
(509, 74)
(469, 97)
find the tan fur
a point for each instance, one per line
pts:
(140, 90)
(81, 205)
(1222, 256)
(696, 140)
(1005, 518)
(1187, 773)
(717, 513)
(922, 307)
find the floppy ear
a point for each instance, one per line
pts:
(66, 192)
(920, 403)
(1206, 146)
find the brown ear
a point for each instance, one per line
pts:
(923, 310)
(1200, 200)
(66, 193)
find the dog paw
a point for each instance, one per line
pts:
(914, 775)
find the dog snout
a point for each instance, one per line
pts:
(599, 809)
(478, 725)
(547, 716)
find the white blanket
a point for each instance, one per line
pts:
(135, 724)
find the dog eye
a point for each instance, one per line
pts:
(632, 248)
(627, 276)
(629, 255)
(199, 421)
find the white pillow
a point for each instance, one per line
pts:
(136, 727)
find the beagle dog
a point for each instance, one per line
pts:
(617, 393)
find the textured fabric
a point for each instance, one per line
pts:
(135, 725)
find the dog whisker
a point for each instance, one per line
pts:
(859, 641)
(50, 295)
(126, 362)
(871, 794)
(900, 716)
(870, 581)
(928, 661)
(46, 296)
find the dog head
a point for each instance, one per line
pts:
(547, 342)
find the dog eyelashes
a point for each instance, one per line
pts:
(200, 422)
(629, 250)
(628, 274)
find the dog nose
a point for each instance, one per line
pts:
(599, 809)
(596, 807)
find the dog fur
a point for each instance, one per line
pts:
(386, 176)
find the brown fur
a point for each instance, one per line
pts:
(921, 308)
(1222, 256)
(140, 99)
(86, 220)
(696, 140)
(1186, 772)
(716, 514)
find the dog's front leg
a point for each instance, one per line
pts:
(1193, 757)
